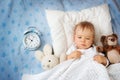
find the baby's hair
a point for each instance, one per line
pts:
(85, 25)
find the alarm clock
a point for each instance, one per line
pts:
(31, 38)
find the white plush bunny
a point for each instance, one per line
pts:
(47, 59)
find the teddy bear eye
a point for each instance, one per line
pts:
(49, 61)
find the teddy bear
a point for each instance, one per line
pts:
(47, 58)
(110, 48)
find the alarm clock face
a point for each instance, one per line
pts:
(32, 41)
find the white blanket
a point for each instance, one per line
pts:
(80, 69)
(114, 71)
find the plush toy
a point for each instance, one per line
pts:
(110, 48)
(47, 58)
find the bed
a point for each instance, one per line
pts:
(17, 16)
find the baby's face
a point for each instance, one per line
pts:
(83, 38)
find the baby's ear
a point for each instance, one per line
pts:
(47, 49)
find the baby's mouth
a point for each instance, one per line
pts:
(83, 45)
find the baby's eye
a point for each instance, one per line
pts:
(88, 38)
(79, 37)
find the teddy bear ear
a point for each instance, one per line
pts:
(39, 55)
(102, 38)
(47, 49)
(115, 35)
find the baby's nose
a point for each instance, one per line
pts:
(83, 40)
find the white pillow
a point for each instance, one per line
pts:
(62, 24)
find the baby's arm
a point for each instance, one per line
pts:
(101, 59)
(74, 55)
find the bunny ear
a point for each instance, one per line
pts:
(39, 55)
(47, 49)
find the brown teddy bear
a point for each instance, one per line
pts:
(110, 48)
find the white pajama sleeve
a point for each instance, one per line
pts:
(71, 49)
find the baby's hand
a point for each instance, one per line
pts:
(100, 59)
(74, 55)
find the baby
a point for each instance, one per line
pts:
(83, 37)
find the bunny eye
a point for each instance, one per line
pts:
(49, 61)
